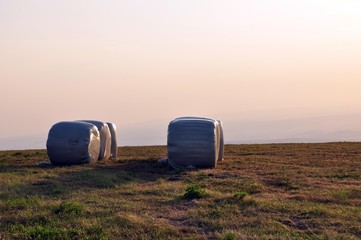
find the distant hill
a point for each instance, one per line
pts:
(24, 142)
(318, 129)
(238, 129)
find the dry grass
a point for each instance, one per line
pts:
(274, 191)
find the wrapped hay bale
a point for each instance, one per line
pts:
(73, 143)
(114, 144)
(193, 142)
(105, 138)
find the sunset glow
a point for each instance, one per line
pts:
(133, 62)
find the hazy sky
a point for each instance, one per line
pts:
(138, 61)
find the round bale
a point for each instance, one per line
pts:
(114, 144)
(73, 143)
(193, 142)
(105, 138)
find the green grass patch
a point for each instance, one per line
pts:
(20, 203)
(240, 195)
(229, 236)
(68, 208)
(346, 194)
(343, 176)
(56, 233)
(40, 232)
(193, 191)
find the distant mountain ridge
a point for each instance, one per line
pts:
(336, 128)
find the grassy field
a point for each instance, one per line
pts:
(273, 191)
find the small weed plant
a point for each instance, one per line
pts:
(193, 191)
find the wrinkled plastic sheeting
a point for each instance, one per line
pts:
(114, 144)
(193, 141)
(105, 138)
(73, 143)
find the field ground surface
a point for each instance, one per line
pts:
(270, 191)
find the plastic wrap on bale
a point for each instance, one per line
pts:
(73, 143)
(193, 142)
(221, 141)
(114, 144)
(105, 138)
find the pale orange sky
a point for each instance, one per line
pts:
(136, 61)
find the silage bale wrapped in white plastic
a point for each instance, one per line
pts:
(193, 142)
(114, 144)
(105, 138)
(73, 143)
(221, 141)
